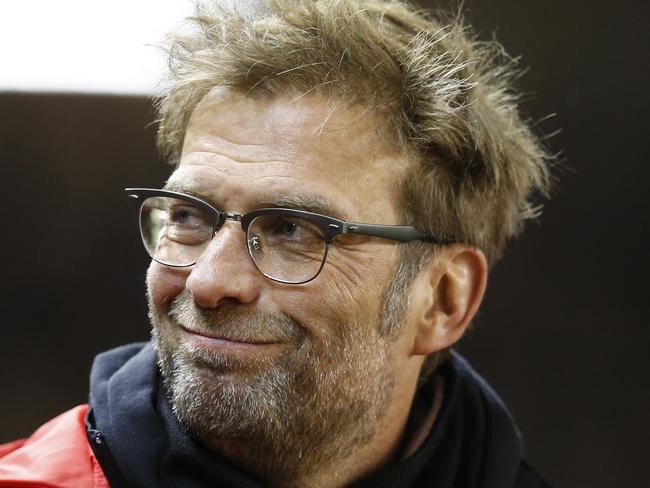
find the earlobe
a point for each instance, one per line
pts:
(447, 296)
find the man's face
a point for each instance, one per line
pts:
(256, 366)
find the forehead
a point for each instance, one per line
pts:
(239, 150)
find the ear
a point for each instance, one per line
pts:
(446, 296)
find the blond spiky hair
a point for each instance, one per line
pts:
(446, 99)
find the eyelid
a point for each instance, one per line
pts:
(191, 209)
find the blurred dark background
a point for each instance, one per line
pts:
(562, 336)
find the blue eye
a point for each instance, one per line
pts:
(182, 216)
(289, 229)
(286, 229)
(187, 224)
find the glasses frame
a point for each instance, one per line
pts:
(330, 227)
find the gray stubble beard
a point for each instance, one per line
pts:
(305, 411)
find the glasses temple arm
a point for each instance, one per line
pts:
(401, 233)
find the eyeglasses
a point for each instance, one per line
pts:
(286, 245)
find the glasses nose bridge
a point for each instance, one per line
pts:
(221, 219)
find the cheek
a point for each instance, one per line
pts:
(165, 283)
(356, 283)
(331, 308)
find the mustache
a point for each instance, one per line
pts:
(234, 324)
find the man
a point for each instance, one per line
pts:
(346, 172)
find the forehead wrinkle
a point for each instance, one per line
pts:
(305, 138)
(210, 145)
(315, 120)
(228, 119)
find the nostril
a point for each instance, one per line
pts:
(222, 275)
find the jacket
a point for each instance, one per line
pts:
(129, 436)
(57, 455)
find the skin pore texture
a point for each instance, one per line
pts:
(296, 383)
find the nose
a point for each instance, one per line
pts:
(224, 271)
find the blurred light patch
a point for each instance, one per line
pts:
(85, 46)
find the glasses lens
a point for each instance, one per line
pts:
(174, 232)
(286, 248)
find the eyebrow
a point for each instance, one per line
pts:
(313, 203)
(307, 203)
(187, 190)
(191, 191)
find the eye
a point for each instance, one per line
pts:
(282, 228)
(286, 245)
(183, 216)
(288, 229)
(187, 224)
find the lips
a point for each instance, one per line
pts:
(235, 340)
(234, 329)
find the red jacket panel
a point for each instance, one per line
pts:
(57, 455)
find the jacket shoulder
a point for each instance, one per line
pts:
(57, 455)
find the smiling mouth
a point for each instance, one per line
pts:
(216, 342)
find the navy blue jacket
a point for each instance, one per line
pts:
(473, 444)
